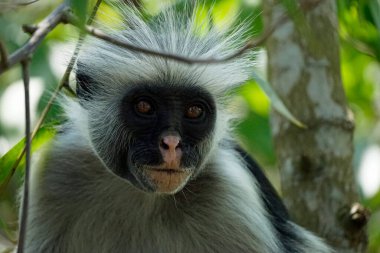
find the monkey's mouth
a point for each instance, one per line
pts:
(167, 180)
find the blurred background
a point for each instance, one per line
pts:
(359, 32)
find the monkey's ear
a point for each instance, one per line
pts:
(85, 86)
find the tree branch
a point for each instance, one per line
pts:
(25, 204)
(42, 30)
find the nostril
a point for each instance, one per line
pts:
(164, 145)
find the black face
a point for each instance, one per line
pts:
(160, 138)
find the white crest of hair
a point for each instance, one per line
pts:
(171, 33)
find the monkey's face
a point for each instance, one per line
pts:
(160, 138)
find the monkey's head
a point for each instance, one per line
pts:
(156, 136)
(153, 121)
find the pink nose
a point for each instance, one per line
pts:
(170, 142)
(170, 148)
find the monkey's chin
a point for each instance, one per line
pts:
(167, 180)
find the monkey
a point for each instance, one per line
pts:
(147, 162)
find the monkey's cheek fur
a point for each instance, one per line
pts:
(167, 181)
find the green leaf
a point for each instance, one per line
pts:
(43, 135)
(374, 6)
(373, 203)
(255, 136)
(79, 8)
(276, 101)
(8, 233)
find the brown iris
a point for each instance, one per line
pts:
(194, 112)
(144, 107)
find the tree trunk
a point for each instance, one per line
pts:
(317, 177)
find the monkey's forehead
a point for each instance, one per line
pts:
(169, 33)
(168, 91)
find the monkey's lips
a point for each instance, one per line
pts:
(167, 180)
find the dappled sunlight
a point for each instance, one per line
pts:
(12, 109)
(369, 170)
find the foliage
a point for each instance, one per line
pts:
(7, 161)
(359, 29)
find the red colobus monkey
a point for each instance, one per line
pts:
(146, 162)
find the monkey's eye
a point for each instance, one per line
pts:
(194, 112)
(144, 107)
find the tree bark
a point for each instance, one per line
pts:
(317, 177)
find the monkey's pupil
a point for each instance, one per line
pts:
(143, 107)
(194, 112)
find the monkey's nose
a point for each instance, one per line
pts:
(170, 143)
(170, 148)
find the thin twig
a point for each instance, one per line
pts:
(3, 55)
(44, 27)
(25, 204)
(65, 79)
